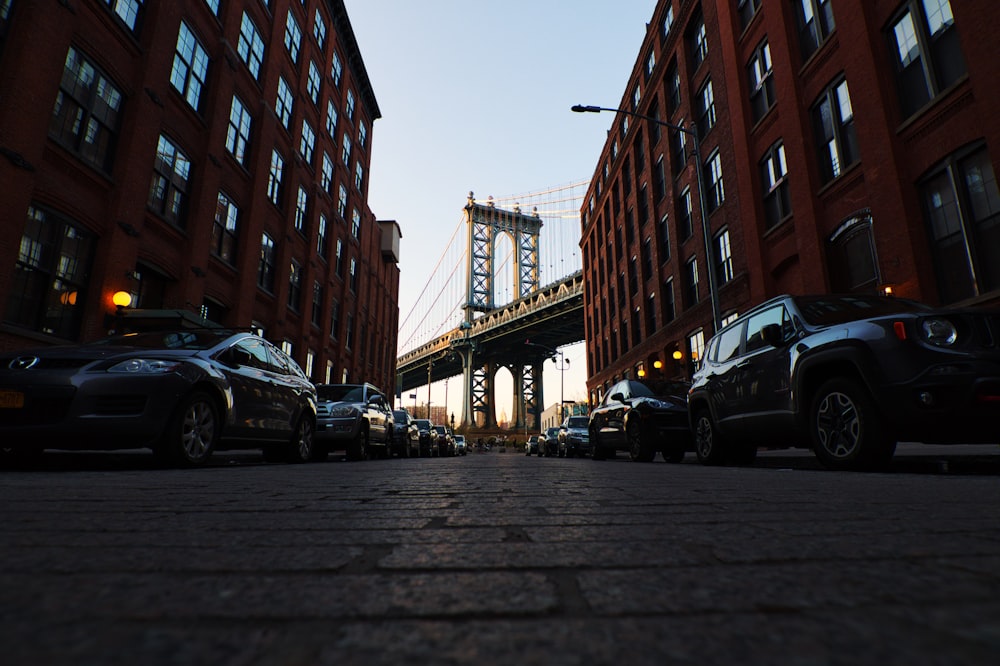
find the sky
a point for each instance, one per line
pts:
(475, 95)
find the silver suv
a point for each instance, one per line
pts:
(574, 437)
(353, 417)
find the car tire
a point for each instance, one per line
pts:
(358, 449)
(638, 449)
(845, 429)
(708, 442)
(300, 447)
(192, 431)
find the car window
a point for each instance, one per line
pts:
(827, 310)
(757, 322)
(399, 415)
(578, 422)
(727, 345)
(257, 350)
(340, 393)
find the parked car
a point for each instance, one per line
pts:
(428, 444)
(642, 420)
(549, 440)
(183, 393)
(445, 444)
(461, 448)
(574, 437)
(532, 445)
(405, 434)
(355, 418)
(847, 376)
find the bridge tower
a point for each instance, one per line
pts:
(486, 224)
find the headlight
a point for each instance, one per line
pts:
(938, 331)
(343, 411)
(144, 366)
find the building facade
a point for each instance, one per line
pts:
(206, 156)
(844, 146)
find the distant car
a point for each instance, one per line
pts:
(405, 434)
(183, 393)
(574, 437)
(445, 444)
(848, 376)
(353, 417)
(461, 448)
(642, 420)
(532, 445)
(428, 443)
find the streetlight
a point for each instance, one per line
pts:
(712, 293)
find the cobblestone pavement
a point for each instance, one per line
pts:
(498, 559)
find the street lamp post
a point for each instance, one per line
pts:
(706, 232)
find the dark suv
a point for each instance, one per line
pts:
(847, 376)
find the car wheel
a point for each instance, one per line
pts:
(358, 449)
(192, 432)
(300, 448)
(708, 443)
(845, 428)
(638, 449)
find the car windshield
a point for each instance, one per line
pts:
(577, 422)
(340, 393)
(197, 339)
(399, 415)
(424, 424)
(829, 310)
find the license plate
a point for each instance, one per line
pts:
(11, 400)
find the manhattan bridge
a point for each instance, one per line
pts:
(507, 292)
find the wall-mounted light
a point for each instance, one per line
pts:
(68, 298)
(658, 364)
(678, 355)
(886, 290)
(122, 299)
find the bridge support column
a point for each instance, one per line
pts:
(527, 396)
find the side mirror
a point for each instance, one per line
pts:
(771, 333)
(239, 356)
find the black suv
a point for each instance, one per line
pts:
(847, 376)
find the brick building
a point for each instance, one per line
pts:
(845, 146)
(204, 156)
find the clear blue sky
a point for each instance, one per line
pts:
(475, 95)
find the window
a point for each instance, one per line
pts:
(962, 204)
(326, 177)
(774, 177)
(696, 345)
(927, 53)
(340, 258)
(833, 120)
(761, 82)
(190, 67)
(319, 28)
(293, 36)
(673, 88)
(168, 190)
(349, 333)
(342, 203)
(851, 256)
(127, 11)
(359, 176)
(706, 109)
(356, 223)
(723, 258)
(678, 149)
(756, 323)
(668, 19)
(331, 118)
(48, 287)
(301, 210)
(322, 241)
(685, 225)
(345, 154)
(213, 5)
(283, 103)
(353, 282)
(317, 304)
(313, 83)
(636, 96)
(238, 134)
(659, 179)
(716, 190)
(87, 113)
(650, 64)
(294, 286)
(265, 268)
(691, 282)
(647, 259)
(663, 237)
(747, 10)
(349, 105)
(274, 177)
(669, 306)
(336, 69)
(334, 318)
(815, 23)
(308, 142)
(633, 275)
(362, 134)
(225, 229)
(250, 46)
(698, 42)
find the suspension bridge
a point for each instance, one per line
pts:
(510, 272)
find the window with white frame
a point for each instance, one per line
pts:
(190, 67)
(723, 258)
(685, 222)
(815, 23)
(274, 177)
(322, 240)
(355, 223)
(698, 40)
(668, 19)
(762, 95)
(706, 109)
(691, 282)
(833, 120)
(301, 210)
(716, 188)
(927, 52)
(774, 177)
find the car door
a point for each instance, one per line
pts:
(286, 387)
(764, 396)
(251, 386)
(613, 430)
(722, 377)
